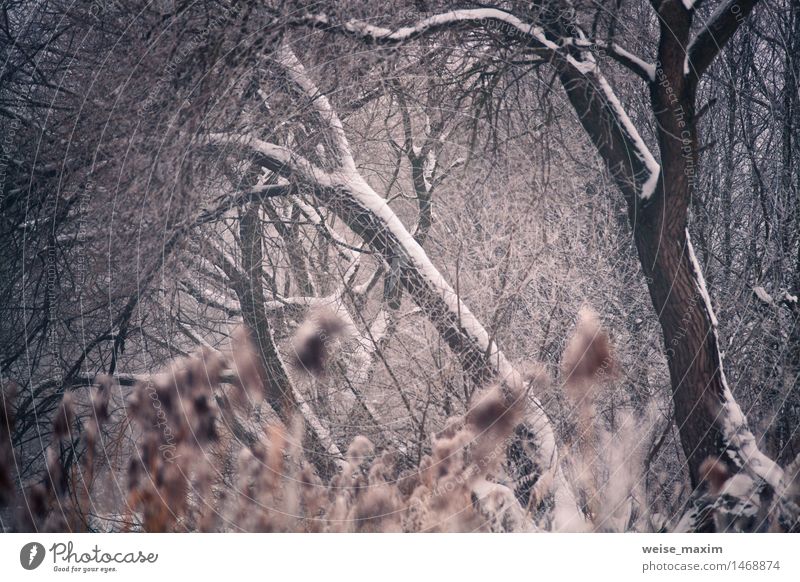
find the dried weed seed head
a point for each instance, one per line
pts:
(101, 398)
(312, 342)
(248, 368)
(409, 481)
(383, 469)
(277, 442)
(714, 474)
(492, 419)
(492, 412)
(378, 510)
(587, 360)
(449, 455)
(57, 476)
(7, 398)
(36, 507)
(359, 451)
(313, 496)
(452, 426)
(64, 416)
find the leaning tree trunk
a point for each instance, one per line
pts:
(346, 193)
(710, 422)
(657, 194)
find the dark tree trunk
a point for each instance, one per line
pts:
(250, 293)
(659, 221)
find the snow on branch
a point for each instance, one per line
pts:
(640, 149)
(367, 214)
(321, 103)
(762, 295)
(226, 202)
(446, 20)
(348, 195)
(637, 65)
(276, 158)
(740, 442)
(535, 37)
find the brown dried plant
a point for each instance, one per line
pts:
(175, 483)
(189, 469)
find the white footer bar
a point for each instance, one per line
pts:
(333, 557)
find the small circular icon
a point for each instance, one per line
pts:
(31, 555)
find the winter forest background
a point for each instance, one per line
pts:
(400, 266)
